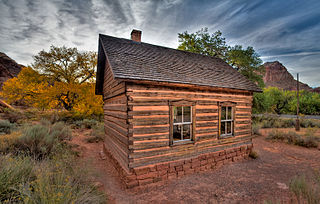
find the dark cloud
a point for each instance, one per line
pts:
(283, 30)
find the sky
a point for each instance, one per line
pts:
(284, 30)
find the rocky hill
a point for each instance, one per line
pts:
(277, 75)
(8, 68)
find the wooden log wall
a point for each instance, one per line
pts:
(115, 118)
(148, 120)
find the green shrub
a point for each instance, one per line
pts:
(38, 141)
(86, 123)
(14, 172)
(256, 129)
(60, 185)
(6, 127)
(309, 142)
(276, 135)
(288, 123)
(13, 116)
(305, 191)
(253, 155)
(23, 180)
(97, 134)
(293, 138)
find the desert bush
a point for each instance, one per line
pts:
(288, 123)
(275, 135)
(14, 172)
(253, 155)
(60, 185)
(23, 180)
(306, 191)
(256, 129)
(97, 134)
(13, 116)
(86, 123)
(6, 127)
(8, 142)
(309, 142)
(293, 138)
(41, 140)
(38, 141)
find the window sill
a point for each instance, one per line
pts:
(182, 143)
(225, 136)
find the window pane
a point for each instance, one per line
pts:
(229, 127)
(177, 132)
(229, 113)
(186, 132)
(186, 114)
(177, 114)
(223, 128)
(223, 113)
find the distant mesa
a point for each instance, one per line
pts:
(8, 68)
(277, 75)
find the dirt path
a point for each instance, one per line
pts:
(250, 181)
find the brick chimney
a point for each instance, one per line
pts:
(136, 35)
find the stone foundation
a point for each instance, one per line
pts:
(175, 169)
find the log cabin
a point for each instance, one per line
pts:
(169, 113)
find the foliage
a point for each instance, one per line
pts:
(6, 127)
(256, 129)
(253, 155)
(85, 123)
(246, 61)
(304, 190)
(67, 65)
(38, 141)
(97, 134)
(13, 173)
(60, 78)
(26, 89)
(275, 100)
(23, 180)
(276, 122)
(293, 138)
(203, 43)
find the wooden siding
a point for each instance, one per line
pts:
(115, 118)
(148, 120)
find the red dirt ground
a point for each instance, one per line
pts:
(251, 181)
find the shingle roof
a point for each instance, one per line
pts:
(142, 61)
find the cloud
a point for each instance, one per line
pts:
(284, 30)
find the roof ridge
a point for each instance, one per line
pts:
(160, 46)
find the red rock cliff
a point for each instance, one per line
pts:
(8, 68)
(277, 75)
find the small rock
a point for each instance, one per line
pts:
(282, 186)
(98, 184)
(103, 156)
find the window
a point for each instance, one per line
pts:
(226, 125)
(182, 122)
(182, 129)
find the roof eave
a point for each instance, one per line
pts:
(133, 79)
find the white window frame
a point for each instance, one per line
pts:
(184, 123)
(227, 120)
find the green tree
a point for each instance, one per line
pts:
(246, 61)
(278, 100)
(203, 43)
(67, 65)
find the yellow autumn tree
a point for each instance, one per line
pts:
(62, 78)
